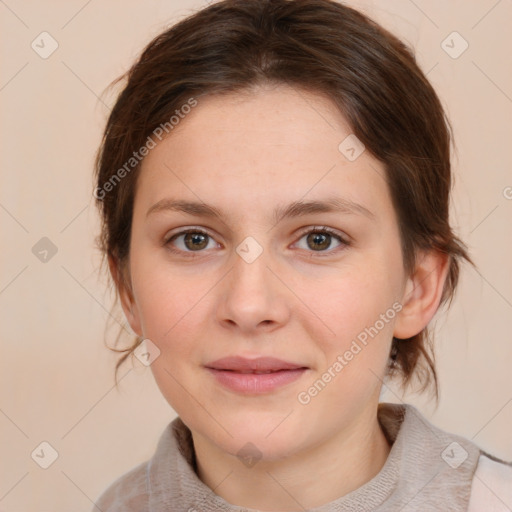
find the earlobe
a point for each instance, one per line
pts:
(125, 293)
(422, 294)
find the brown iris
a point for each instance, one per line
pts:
(320, 240)
(195, 241)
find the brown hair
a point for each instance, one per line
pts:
(316, 45)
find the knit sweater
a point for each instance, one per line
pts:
(427, 469)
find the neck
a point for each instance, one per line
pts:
(305, 480)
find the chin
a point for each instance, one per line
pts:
(267, 435)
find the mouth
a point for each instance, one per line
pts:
(255, 376)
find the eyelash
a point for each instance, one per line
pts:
(316, 229)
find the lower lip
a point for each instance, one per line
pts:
(252, 383)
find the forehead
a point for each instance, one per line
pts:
(272, 145)
(269, 117)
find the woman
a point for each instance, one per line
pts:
(274, 185)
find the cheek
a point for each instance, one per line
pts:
(174, 310)
(166, 297)
(353, 300)
(354, 358)
(359, 309)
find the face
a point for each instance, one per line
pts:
(292, 251)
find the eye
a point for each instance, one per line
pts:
(317, 239)
(321, 239)
(191, 240)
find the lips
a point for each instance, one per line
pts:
(260, 365)
(255, 376)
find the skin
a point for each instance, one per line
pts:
(245, 154)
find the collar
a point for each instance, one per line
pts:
(426, 469)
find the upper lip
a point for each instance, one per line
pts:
(262, 364)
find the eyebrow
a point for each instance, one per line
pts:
(295, 209)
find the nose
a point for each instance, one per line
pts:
(253, 298)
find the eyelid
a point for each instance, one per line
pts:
(191, 229)
(324, 229)
(344, 240)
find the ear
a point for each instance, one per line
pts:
(124, 290)
(422, 293)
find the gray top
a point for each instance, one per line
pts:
(427, 469)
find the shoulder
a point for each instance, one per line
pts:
(148, 485)
(491, 490)
(129, 493)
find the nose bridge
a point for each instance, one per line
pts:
(253, 295)
(250, 273)
(250, 264)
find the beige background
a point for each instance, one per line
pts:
(56, 374)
